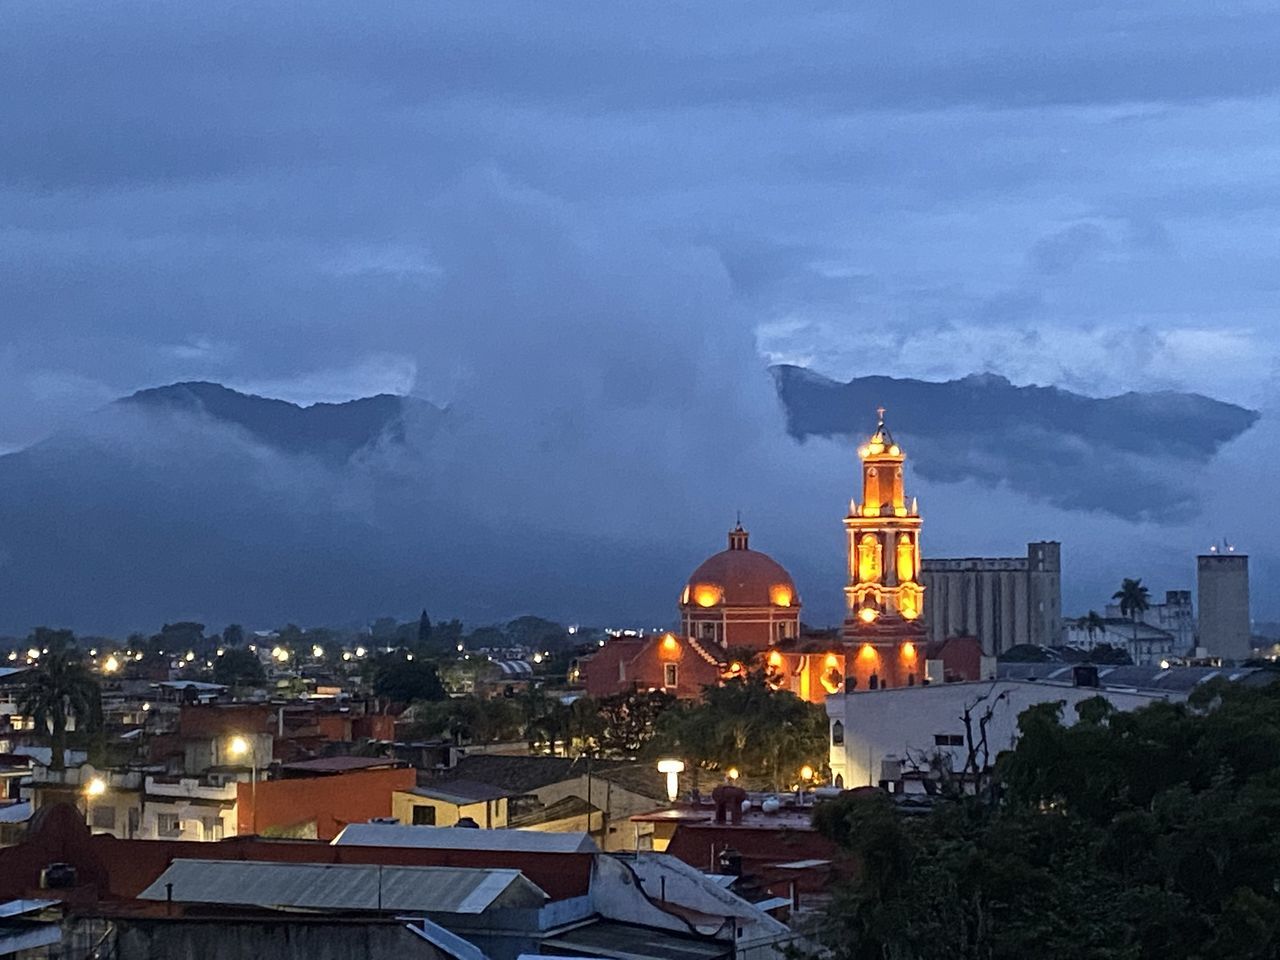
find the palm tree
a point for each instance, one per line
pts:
(61, 688)
(1135, 599)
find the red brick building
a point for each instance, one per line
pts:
(680, 666)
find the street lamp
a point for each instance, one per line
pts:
(673, 769)
(238, 747)
(96, 787)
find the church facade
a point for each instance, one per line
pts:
(741, 605)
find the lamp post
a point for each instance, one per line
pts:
(238, 747)
(673, 769)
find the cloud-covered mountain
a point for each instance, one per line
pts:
(194, 501)
(334, 432)
(1136, 456)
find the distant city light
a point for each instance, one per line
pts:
(317, 651)
(111, 665)
(33, 653)
(191, 655)
(96, 787)
(537, 658)
(360, 651)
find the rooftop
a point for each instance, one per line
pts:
(463, 838)
(326, 765)
(344, 886)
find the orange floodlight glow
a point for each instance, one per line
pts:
(868, 652)
(706, 595)
(909, 650)
(775, 658)
(866, 614)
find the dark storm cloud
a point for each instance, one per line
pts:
(581, 225)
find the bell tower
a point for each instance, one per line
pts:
(884, 598)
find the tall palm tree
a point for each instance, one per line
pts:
(1135, 600)
(61, 688)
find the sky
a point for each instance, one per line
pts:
(596, 224)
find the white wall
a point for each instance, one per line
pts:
(904, 721)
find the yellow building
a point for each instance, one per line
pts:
(444, 805)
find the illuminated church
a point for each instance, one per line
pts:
(741, 602)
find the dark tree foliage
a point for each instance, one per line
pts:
(404, 681)
(60, 690)
(238, 667)
(424, 630)
(767, 734)
(233, 635)
(1151, 834)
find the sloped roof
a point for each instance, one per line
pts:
(462, 838)
(327, 886)
(518, 775)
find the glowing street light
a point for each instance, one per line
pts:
(732, 773)
(96, 787)
(238, 747)
(806, 773)
(111, 665)
(673, 769)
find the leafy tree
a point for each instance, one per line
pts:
(61, 688)
(424, 630)
(233, 635)
(404, 681)
(447, 634)
(767, 734)
(184, 635)
(469, 719)
(628, 721)
(536, 633)
(1124, 836)
(238, 667)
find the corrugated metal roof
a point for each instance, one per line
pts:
(462, 791)
(461, 838)
(331, 886)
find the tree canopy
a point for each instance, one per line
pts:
(766, 734)
(404, 681)
(1150, 834)
(61, 690)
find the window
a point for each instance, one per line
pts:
(104, 818)
(948, 740)
(168, 825)
(424, 816)
(213, 828)
(837, 733)
(669, 677)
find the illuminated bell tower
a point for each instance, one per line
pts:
(884, 598)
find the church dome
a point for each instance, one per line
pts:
(740, 577)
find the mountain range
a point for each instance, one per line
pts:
(195, 501)
(1136, 456)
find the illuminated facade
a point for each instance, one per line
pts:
(884, 599)
(740, 598)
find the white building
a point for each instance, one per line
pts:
(1175, 616)
(190, 808)
(912, 724)
(1144, 643)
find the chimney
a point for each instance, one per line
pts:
(1085, 675)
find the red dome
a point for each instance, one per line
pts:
(740, 577)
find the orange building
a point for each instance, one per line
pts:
(680, 666)
(884, 598)
(740, 598)
(318, 798)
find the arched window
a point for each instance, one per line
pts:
(840, 780)
(837, 734)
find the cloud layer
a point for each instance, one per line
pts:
(586, 229)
